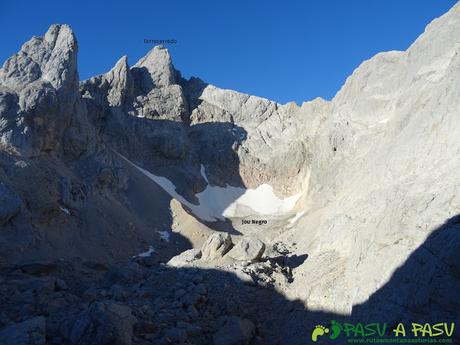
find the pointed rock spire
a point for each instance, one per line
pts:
(61, 67)
(121, 82)
(52, 58)
(159, 65)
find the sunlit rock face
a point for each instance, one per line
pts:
(384, 174)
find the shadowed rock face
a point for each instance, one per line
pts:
(69, 139)
(89, 169)
(141, 302)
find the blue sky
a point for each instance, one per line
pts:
(281, 50)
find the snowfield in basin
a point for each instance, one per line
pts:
(218, 203)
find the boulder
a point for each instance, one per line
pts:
(185, 258)
(244, 277)
(247, 249)
(235, 331)
(216, 246)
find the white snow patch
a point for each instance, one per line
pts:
(21, 164)
(65, 210)
(165, 235)
(147, 253)
(203, 173)
(240, 202)
(217, 203)
(296, 217)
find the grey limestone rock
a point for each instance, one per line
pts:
(158, 65)
(158, 90)
(185, 258)
(216, 246)
(40, 89)
(10, 204)
(247, 249)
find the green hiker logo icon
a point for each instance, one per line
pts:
(320, 330)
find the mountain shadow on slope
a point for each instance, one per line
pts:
(141, 302)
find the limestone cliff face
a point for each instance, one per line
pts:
(385, 175)
(41, 108)
(65, 145)
(258, 132)
(374, 169)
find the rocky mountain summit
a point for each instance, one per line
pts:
(140, 207)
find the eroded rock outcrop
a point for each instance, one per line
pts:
(216, 246)
(247, 249)
(39, 92)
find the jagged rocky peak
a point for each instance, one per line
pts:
(52, 58)
(114, 88)
(150, 89)
(158, 64)
(121, 82)
(41, 108)
(121, 68)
